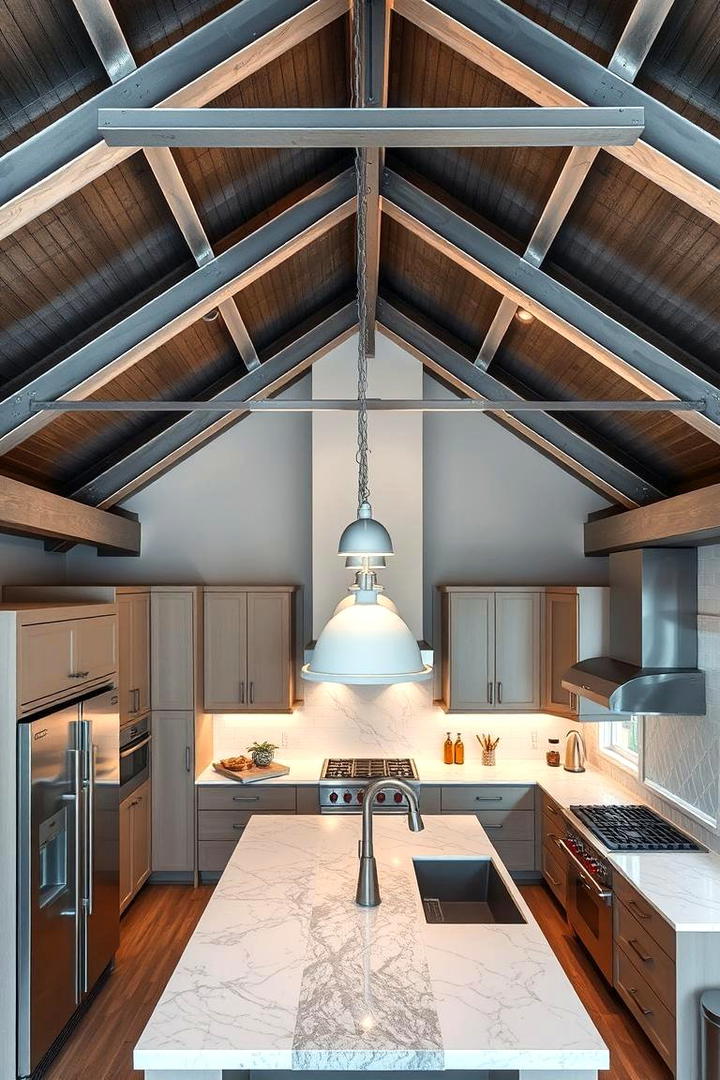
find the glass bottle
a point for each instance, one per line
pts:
(553, 752)
(459, 750)
(448, 755)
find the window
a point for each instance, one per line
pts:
(621, 739)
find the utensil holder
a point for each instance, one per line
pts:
(488, 757)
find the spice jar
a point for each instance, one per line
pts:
(552, 755)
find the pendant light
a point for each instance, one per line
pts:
(365, 642)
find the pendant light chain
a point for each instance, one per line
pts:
(362, 209)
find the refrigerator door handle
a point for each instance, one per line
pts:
(91, 826)
(74, 798)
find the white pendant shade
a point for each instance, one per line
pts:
(366, 643)
(365, 536)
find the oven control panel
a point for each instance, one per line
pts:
(350, 799)
(593, 863)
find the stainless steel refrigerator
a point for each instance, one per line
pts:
(68, 900)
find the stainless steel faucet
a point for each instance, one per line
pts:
(368, 890)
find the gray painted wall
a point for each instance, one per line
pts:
(25, 562)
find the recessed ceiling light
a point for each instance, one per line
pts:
(523, 315)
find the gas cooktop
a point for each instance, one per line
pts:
(633, 828)
(368, 768)
(343, 782)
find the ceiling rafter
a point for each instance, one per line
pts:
(573, 451)
(118, 347)
(643, 26)
(67, 154)
(111, 46)
(620, 349)
(674, 153)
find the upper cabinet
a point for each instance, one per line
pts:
(60, 657)
(248, 647)
(561, 650)
(490, 656)
(133, 608)
(174, 646)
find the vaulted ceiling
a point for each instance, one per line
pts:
(186, 273)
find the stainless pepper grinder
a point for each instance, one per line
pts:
(574, 752)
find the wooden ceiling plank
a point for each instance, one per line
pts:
(30, 511)
(642, 28)
(674, 153)
(692, 518)
(111, 45)
(117, 348)
(133, 470)
(589, 462)
(636, 360)
(66, 155)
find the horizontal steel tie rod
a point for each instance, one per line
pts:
(221, 405)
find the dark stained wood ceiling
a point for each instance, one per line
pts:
(630, 248)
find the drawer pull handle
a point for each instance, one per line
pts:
(638, 910)
(493, 827)
(552, 880)
(238, 826)
(246, 798)
(634, 991)
(636, 948)
(488, 798)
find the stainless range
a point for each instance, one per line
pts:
(589, 899)
(343, 782)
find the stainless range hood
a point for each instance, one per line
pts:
(652, 666)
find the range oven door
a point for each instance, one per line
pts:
(589, 912)
(135, 739)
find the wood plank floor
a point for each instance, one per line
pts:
(153, 934)
(632, 1056)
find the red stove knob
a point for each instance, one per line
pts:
(347, 797)
(360, 796)
(380, 796)
(333, 796)
(398, 796)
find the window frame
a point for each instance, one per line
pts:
(615, 751)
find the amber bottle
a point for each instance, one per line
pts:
(448, 756)
(459, 750)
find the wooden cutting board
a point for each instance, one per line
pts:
(250, 776)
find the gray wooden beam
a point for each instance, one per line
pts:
(691, 519)
(574, 452)
(132, 470)
(372, 127)
(637, 361)
(68, 154)
(635, 42)
(30, 511)
(674, 153)
(106, 35)
(120, 346)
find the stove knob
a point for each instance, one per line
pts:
(333, 796)
(380, 797)
(360, 796)
(347, 797)
(398, 796)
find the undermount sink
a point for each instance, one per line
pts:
(464, 891)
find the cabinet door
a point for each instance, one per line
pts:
(471, 650)
(561, 650)
(172, 791)
(517, 650)
(95, 646)
(46, 661)
(225, 638)
(140, 644)
(125, 852)
(173, 649)
(269, 663)
(126, 691)
(141, 835)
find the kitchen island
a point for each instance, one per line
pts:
(284, 971)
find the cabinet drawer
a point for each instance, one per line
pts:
(487, 797)
(647, 956)
(652, 1016)
(555, 873)
(552, 814)
(430, 800)
(249, 797)
(224, 824)
(516, 854)
(652, 923)
(507, 824)
(214, 855)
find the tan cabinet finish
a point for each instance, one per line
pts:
(561, 650)
(134, 653)
(63, 657)
(173, 651)
(248, 650)
(490, 656)
(173, 791)
(135, 843)
(224, 812)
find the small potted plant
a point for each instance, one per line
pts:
(262, 753)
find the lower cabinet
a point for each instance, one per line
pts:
(224, 811)
(506, 812)
(135, 843)
(173, 792)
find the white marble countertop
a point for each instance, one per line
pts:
(284, 971)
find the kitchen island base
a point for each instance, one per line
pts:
(474, 1074)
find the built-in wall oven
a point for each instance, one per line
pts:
(135, 741)
(589, 899)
